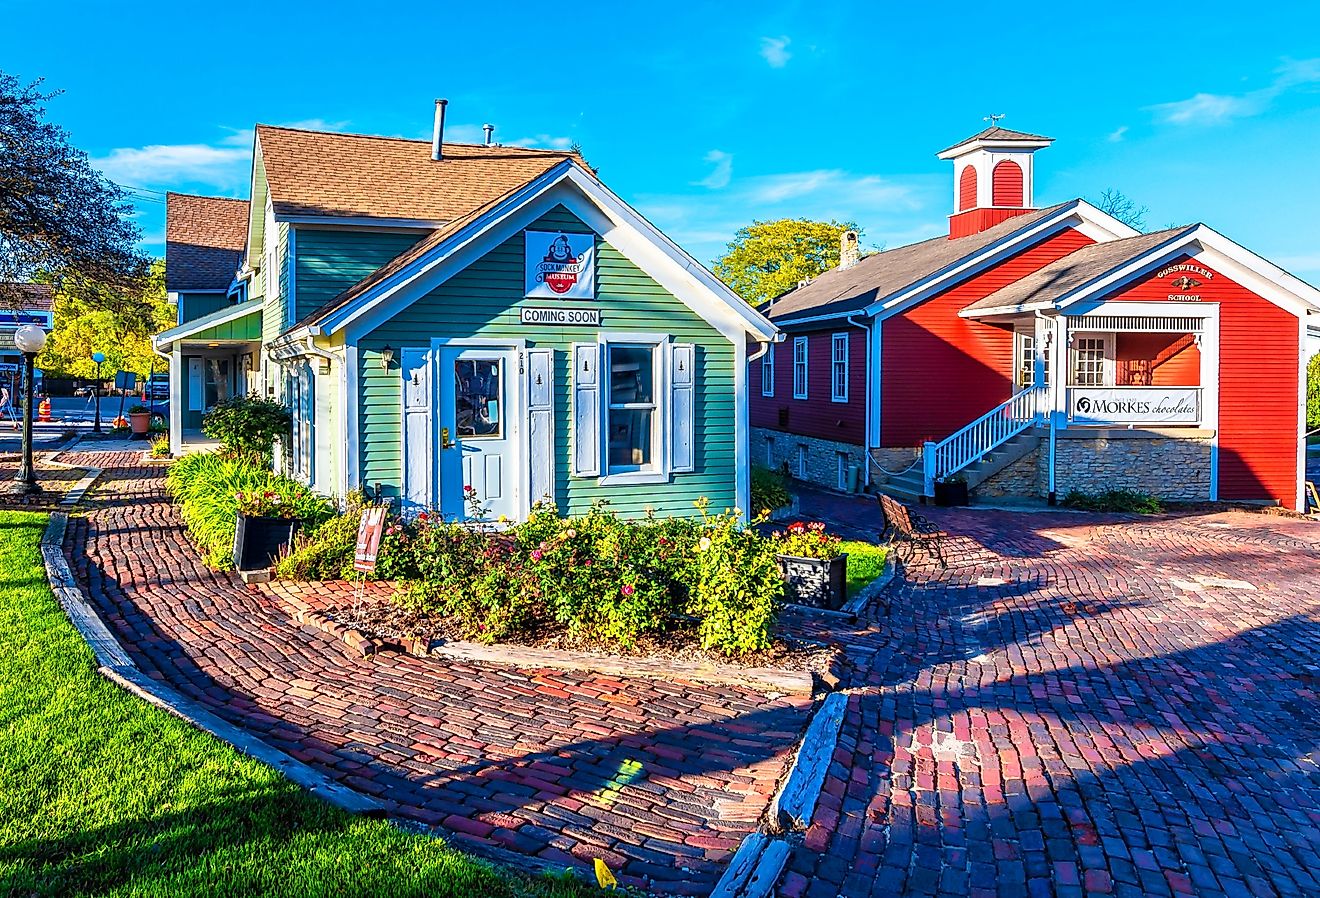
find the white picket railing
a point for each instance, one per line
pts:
(994, 428)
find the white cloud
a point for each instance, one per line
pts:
(1117, 134)
(721, 174)
(1212, 109)
(890, 211)
(774, 50)
(222, 166)
(546, 141)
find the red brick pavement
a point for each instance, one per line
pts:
(661, 779)
(1071, 712)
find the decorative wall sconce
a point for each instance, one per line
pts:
(386, 357)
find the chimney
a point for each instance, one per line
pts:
(438, 134)
(490, 133)
(850, 253)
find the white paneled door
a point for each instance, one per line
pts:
(478, 432)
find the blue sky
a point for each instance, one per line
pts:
(705, 117)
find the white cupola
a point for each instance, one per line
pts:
(992, 178)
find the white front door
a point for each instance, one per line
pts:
(478, 433)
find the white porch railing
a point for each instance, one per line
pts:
(994, 428)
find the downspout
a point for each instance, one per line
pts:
(866, 404)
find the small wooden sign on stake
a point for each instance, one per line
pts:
(370, 530)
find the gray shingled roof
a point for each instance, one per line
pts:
(997, 133)
(885, 273)
(1042, 288)
(204, 241)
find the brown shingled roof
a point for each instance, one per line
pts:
(351, 175)
(882, 274)
(27, 297)
(997, 133)
(204, 241)
(1041, 288)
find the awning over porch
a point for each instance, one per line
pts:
(238, 323)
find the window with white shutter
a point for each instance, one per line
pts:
(540, 417)
(682, 383)
(586, 409)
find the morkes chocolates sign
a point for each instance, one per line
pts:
(1135, 405)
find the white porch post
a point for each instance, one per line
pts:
(178, 399)
(1058, 401)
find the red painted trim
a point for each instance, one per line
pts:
(974, 221)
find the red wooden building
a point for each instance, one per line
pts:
(1036, 351)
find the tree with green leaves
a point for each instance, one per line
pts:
(118, 323)
(768, 258)
(61, 220)
(1313, 393)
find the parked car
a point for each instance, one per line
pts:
(156, 387)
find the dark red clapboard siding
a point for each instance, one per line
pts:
(941, 372)
(1006, 184)
(1258, 386)
(817, 415)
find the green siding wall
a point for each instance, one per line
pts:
(275, 311)
(484, 300)
(329, 262)
(195, 305)
(246, 328)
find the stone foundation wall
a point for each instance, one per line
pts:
(822, 456)
(1175, 468)
(1168, 467)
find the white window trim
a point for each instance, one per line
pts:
(1108, 368)
(835, 395)
(805, 382)
(800, 458)
(768, 371)
(658, 472)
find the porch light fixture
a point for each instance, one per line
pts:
(386, 357)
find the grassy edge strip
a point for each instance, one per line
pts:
(114, 664)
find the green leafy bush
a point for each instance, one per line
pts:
(325, 553)
(596, 576)
(206, 485)
(1126, 501)
(769, 490)
(248, 425)
(1313, 393)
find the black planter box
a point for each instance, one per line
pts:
(816, 582)
(952, 493)
(258, 541)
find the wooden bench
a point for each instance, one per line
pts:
(913, 531)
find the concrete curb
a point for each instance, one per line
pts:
(115, 665)
(758, 863)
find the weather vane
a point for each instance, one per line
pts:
(993, 118)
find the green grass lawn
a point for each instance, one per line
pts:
(102, 794)
(865, 562)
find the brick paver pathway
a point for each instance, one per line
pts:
(661, 779)
(1085, 707)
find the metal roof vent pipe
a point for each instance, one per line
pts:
(438, 134)
(490, 133)
(850, 252)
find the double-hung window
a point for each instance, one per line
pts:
(799, 367)
(632, 422)
(1093, 361)
(839, 368)
(768, 371)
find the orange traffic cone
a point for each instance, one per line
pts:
(43, 410)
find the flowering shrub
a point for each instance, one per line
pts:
(595, 576)
(807, 541)
(262, 504)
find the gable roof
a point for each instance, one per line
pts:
(584, 195)
(837, 292)
(1000, 134)
(27, 297)
(1041, 288)
(204, 241)
(319, 173)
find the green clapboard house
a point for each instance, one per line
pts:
(470, 329)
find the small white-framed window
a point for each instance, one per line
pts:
(802, 461)
(799, 367)
(768, 371)
(1093, 360)
(841, 460)
(632, 421)
(839, 368)
(769, 452)
(1024, 359)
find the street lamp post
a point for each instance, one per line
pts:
(97, 357)
(29, 339)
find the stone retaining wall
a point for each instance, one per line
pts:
(822, 456)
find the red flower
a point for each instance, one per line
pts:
(627, 589)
